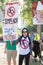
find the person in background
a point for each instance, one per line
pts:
(10, 50)
(25, 51)
(41, 48)
(36, 46)
(31, 35)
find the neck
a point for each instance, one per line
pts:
(25, 37)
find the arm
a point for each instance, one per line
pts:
(16, 41)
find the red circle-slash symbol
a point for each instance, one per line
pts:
(24, 44)
(11, 11)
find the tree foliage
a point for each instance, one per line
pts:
(27, 12)
(32, 29)
(3, 1)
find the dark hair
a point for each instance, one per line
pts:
(26, 30)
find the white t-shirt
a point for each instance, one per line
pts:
(24, 46)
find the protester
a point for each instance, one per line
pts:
(31, 35)
(25, 51)
(11, 51)
(36, 46)
(41, 48)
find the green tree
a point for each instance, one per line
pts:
(32, 29)
(27, 12)
(3, 1)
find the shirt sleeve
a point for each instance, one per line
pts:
(14, 42)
